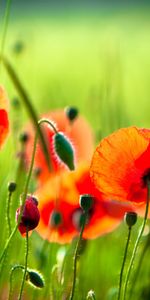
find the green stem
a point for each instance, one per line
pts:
(142, 255)
(26, 265)
(8, 212)
(28, 104)
(5, 26)
(11, 279)
(123, 263)
(137, 241)
(76, 256)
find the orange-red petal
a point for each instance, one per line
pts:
(119, 164)
(4, 122)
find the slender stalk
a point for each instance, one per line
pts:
(28, 104)
(142, 255)
(137, 241)
(123, 263)
(8, 212)
(11, 279)
(26, 265)
(5, 26)
(76, 256)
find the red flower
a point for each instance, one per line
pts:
(76, 132)
(4, 123)
(121, 165)
(30, 216)
(61, 214)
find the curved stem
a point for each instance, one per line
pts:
(11, 278)
(26, 264)
(76, 256)
(123, 263)
(137, 241)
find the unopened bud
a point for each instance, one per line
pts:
(72, 113)
(130, 218)
(86, 202)
(55, 219)
(35, 278)
(64, 150)
(24, 137)
(11, 187)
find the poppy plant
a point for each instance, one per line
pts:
(121, 165)
(75, 130)
(61, 214)
(4, 122)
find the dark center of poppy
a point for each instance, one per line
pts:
(146, 177)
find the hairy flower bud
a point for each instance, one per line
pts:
(64, 149)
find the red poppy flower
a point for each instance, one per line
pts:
(121, 164)
(61, 214)
(4, 123)
(76, 132)
(30, 216)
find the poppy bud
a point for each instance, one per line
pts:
(35, 278)
(55, 219)
(86, 202)
(11, 187)
(30, 215)
(72, 113)
(130, 218)
(64, 150)
(24, 137)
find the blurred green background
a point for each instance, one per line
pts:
(92, 55)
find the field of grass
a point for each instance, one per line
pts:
(98, 62)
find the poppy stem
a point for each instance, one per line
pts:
(5, 26)
(8, 213)
(76, 256)
(123, 263)
(26, 264)
(139, 266)
(137, 241)
(11, 279)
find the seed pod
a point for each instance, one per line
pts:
(130, 218)
(86, 202)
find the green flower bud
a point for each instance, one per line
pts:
(86, 202)
(35, 278)
(130, 218)
(24, 137)
(11, 187)
(55, 219)
(64, 150)
(71, 113)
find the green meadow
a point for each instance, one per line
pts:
(99, 62)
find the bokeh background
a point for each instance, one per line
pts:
(94, 55)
